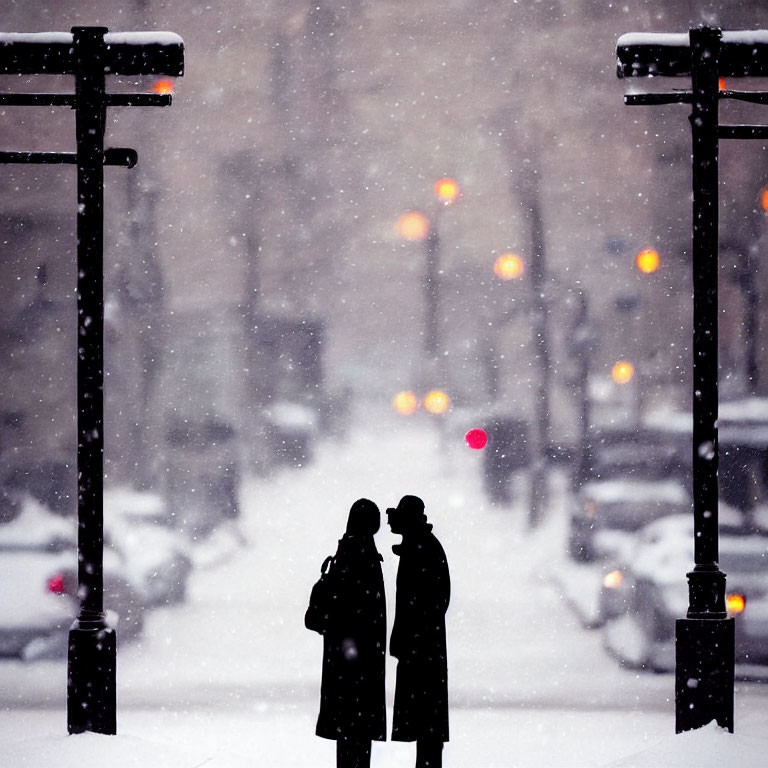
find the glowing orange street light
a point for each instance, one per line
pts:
(648, 260)
(405, 402)
(508, 266)
(164, 86)
(437, 401)
(413, 226)
(623, 372)
(447, 190)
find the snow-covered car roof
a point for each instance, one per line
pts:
(664, 550)
(636, 491)
(134, 505)
(291, 416)
(35, 527)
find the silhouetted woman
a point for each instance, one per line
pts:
(352, 699)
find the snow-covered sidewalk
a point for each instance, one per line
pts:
(231, 678)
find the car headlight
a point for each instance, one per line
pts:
(735, 604)
(613, 580)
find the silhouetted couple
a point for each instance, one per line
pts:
(352, 697)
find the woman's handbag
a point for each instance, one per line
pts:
(320, 599)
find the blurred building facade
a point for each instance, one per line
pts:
(269, 190)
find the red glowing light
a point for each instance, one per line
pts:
(476, 438)
(56, 584)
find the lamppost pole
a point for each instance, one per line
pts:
(705, 45)
(540, 328)
(705, 637)
(416, 226)
(92, 644)
(432, 292)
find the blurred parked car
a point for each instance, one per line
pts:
(291, 431)
(507, 452)
(154, 558)
(202, 475)
(743, 448)
(643, 596)
(637, 475)
(34, 552)
(38, 578)
(144, 566)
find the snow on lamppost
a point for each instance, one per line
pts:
(704, 673)
(89, 54)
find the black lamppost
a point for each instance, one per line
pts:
(89, 53)
(705, 638)
(581, 346)
(525, 186)
(420, 227)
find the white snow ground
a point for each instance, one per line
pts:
(231, 678)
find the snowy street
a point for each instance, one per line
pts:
(232, 677)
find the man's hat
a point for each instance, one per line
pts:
(411, 505)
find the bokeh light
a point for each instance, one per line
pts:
(405, 402)
(735, 604)
(437, 401)
(413, 226)
(508, 266)
(623, 372)
(476, 438)
(764, 199)
(613, 579)
(163, 86)
(447, 190)
(648, 260)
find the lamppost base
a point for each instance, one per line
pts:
(91, 679)
(704, 673)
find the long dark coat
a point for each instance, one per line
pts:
(418, 639)
(352, 697)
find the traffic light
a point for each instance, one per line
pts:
(476, 438)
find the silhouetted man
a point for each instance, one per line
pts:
(418, 634)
